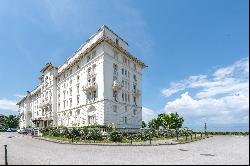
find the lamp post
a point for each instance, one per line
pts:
(205, 129)
(5, 147)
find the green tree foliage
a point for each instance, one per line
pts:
(167, 121)
(143, 125)
(11, 121)
(154, 124)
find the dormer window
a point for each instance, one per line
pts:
(88, 58)
(117, 41)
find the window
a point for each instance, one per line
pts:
(93, 54)
(125, 120)
(134, 100)
(94, 68)
(122, 71)
(115, 95)
(134, 111)
(134, 66)
(89, 70)
(77, 112)
(70, 91)
(70, 71)
(94, 95)
(77, 88)
(126, 108)
(78, 78)
(88, 58)
(117, 41)
(91, 119)
(93, 79)
(78, 99)
(70, 102)
(78, 66)
(115, 108)
(64, 104)
(135, 79)
(70, 82)
(58, 105)
(122, 96)
(115, 55)
(70, 113)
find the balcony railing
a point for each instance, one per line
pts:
(115, 73)
(136, 92)
(88, 101)
(90, 86)
(117, 85)
(90, 74)
(45, 103)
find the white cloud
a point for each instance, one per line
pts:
(220, 98)
(148, 114)
(225, 80)
(9, 105)
(224, 110)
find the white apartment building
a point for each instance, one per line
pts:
(99, 84)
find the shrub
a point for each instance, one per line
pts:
(75, 132)
(115, 136)
(94, 134)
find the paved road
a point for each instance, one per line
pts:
(215, 150)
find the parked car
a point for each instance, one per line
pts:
(8, 130)
(23, 131)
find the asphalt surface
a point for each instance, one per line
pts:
(25, 150)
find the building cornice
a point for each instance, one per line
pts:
(93, 46)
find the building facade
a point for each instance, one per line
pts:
(99, 84)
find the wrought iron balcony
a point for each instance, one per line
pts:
(136, 92)
(90, 86)
(117, 85)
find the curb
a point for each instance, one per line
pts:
(108, 144)
(101, 144)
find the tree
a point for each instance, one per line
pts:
(164, 120)
(11, 121)
(154, 124)
(175, 121)
(143, 125)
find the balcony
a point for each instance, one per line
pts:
(115, 73)
(90, 86)
(88, 101)
(136, 92)
(91, 74)
(45, 103)
(116, 85)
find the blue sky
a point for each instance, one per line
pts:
(197, 51)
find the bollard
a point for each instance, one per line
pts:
(195, 135)
(191, 137)
(6, 161)
(186, 137)
(201, 135)
(150, 139)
